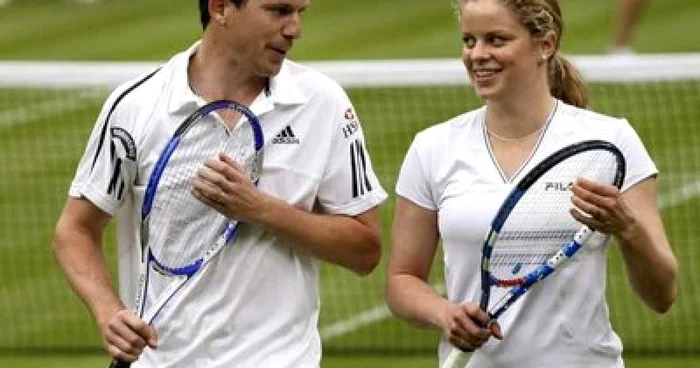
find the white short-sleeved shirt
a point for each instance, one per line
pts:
(450, 169)
(257, 303)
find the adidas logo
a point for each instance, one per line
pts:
(286, 136)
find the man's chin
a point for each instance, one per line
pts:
(271, 69)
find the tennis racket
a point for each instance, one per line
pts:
(533, 234)
(179, 233)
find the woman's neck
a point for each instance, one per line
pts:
(517, 121)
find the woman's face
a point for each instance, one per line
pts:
(499, 53)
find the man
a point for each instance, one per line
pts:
(257, 306)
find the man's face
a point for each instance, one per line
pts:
(261, 32)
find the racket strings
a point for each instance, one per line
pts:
(541, 223)
(181, 227)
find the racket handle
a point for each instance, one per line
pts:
(457, 359)
(119, 364)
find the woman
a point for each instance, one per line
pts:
(456, 174)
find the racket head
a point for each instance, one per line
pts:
(534, 222)
(179, 233)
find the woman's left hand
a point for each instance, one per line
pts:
(600, 206)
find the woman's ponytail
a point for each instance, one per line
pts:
(566, 82)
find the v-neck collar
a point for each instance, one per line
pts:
(534, 150)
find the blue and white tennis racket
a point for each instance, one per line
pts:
(179, 233)
(533, 233)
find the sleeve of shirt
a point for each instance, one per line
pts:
(107, 169)
(349, 185)
(639, 163)
(414, 182)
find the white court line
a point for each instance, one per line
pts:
(45, 108)
(375, 314)
(381, 312)
(685, 193)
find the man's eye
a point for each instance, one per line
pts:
(281, 10)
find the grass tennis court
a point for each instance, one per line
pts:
(333, 29)
(330, 362)
(53, 135)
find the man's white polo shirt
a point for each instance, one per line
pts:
(257, 303)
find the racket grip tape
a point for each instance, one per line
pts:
(119, 364)
(457, 359)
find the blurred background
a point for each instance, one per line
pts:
(45, 121)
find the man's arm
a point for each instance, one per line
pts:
(78, 251)
(349, 241)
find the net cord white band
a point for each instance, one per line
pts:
(361, 73)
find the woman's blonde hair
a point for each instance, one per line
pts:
(540, 17)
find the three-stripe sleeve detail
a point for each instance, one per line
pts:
(358, 165)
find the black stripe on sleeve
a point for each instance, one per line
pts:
(358, 172)
(121, 190)
(361, 151)
(358, 163)
(115, 177)
(103, 134)
(353, 167)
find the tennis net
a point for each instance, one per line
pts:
(47, 111)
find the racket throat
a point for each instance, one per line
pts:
(171, 290)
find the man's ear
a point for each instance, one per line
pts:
(217, 11)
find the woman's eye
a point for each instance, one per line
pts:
(469, 41)
(497, 41)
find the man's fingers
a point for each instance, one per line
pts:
(152, 337)
(121, 355)
(146, 334)
(128, 335)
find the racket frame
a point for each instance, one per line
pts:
(148, 259)
(459, 358)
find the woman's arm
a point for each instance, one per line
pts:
(414, 241)
(633, 218)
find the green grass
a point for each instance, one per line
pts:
(41, 311)
(37, 309)
(89, 361)
(334, 29)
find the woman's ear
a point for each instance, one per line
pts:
(548, 44)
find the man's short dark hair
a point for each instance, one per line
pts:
(204, 16)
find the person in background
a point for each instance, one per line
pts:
(627, 16)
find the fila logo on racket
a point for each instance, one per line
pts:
(558, 186)
(286, 136)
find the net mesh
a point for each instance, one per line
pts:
(47, 111)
